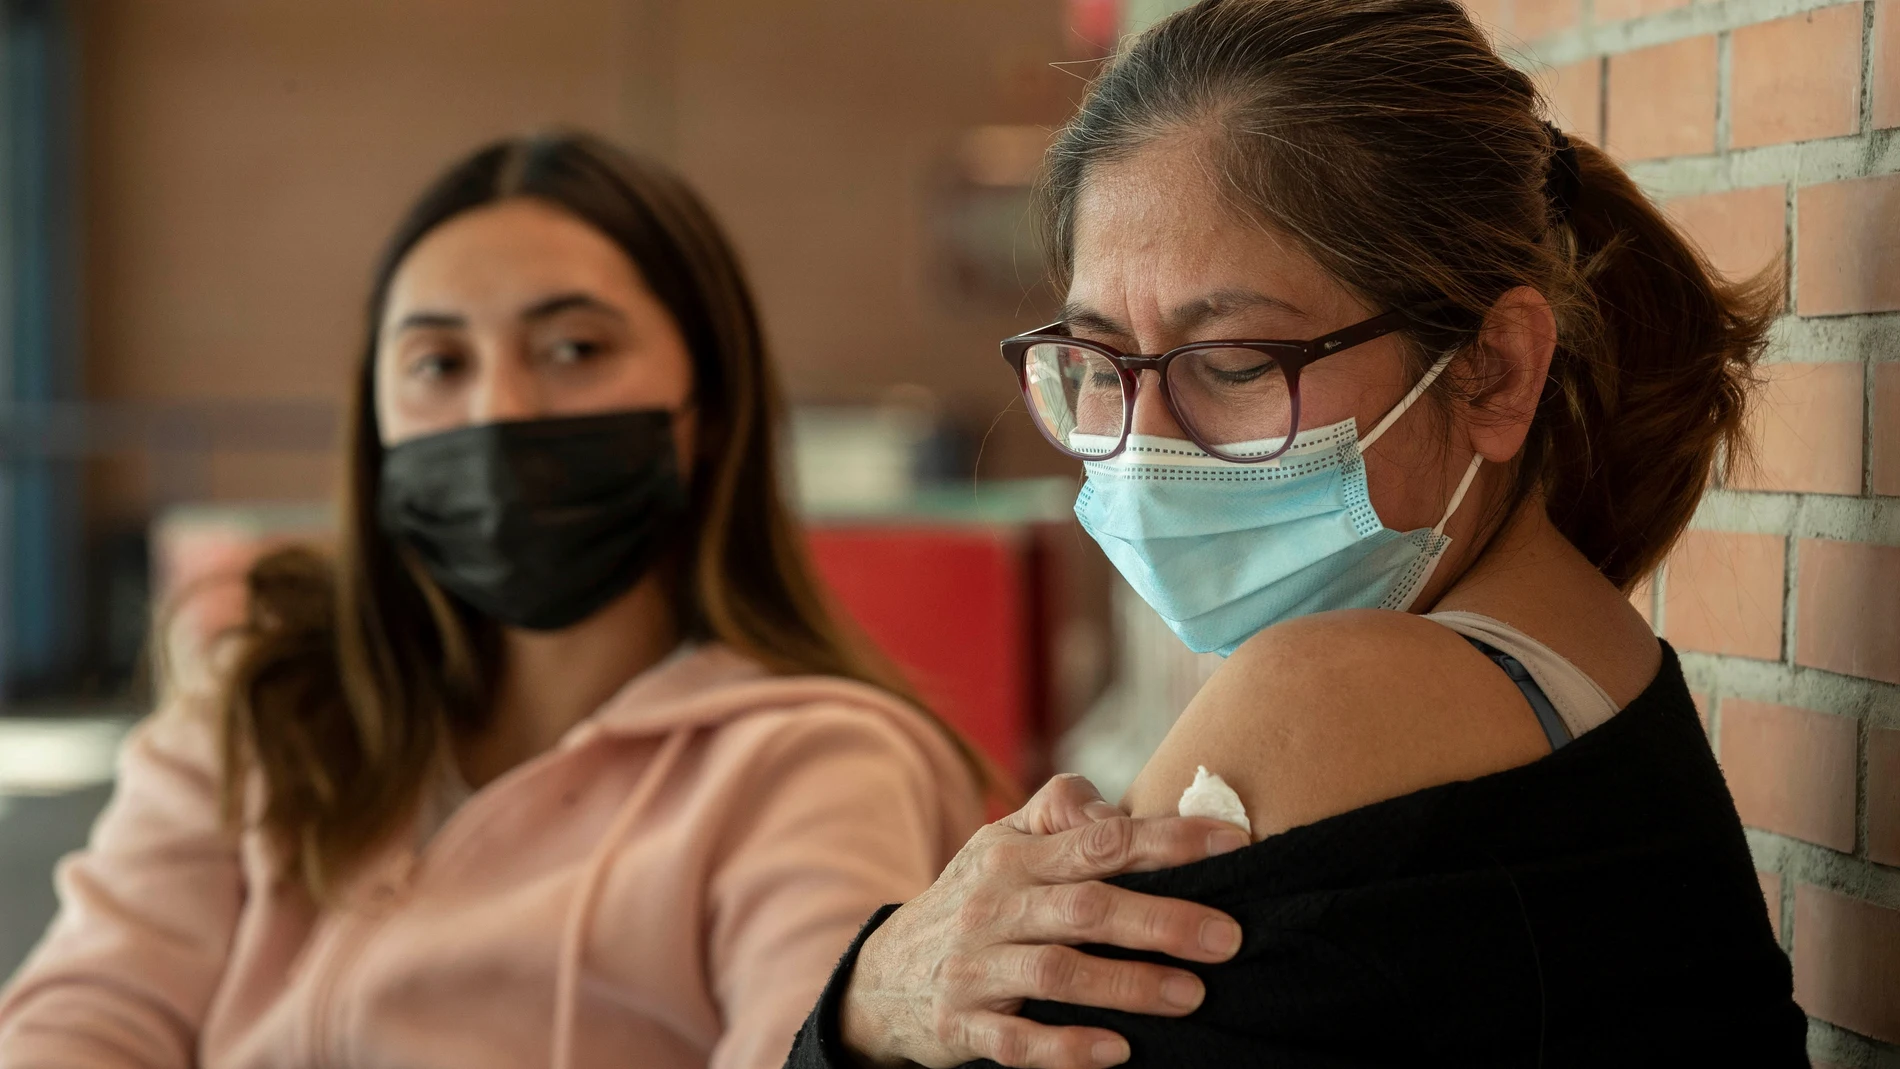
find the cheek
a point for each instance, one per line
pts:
(1362, 387)
(1405, 469)
(685, 444)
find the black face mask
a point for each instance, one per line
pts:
(537, 523)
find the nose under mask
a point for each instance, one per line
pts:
(537, 523)
(1222, 550)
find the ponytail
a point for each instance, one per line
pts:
(1650, 380)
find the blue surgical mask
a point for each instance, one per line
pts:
(1223, 550)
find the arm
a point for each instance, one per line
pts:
(125, 975)
(843, 814)
(1328, 713)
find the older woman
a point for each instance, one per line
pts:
(1390, 391)
(559, 759)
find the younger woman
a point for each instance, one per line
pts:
(560, 760)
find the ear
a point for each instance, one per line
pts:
(1513, 354)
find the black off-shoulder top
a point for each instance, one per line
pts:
(1596, 908)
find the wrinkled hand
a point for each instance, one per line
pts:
(940, 982)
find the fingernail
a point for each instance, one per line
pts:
(1181, 992)
(1224, 840)
(1109, 1051)
(1101, 811)
(1220, 936)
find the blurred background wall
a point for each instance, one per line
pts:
(243, 159)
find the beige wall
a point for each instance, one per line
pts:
(245, 158)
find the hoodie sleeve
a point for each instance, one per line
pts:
(125, 974)
(844, 812)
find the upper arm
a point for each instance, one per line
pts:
(843, 814)
(1331, 712)
(127, 971)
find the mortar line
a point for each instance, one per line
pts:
(1867, 406)
(1863, 733)
(1724, 77)
(1867, 67)
(1790, 597)
(1790, 241)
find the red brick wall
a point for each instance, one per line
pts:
(1767, 129)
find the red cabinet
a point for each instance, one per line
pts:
(959, 608)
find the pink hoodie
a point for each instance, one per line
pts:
(669, 886)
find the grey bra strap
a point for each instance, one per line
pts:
(1553, 725)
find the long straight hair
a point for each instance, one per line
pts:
(354, 669)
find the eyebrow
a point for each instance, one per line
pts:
(430, 320)
(565, 302)
(1217, 305)
(539, 310)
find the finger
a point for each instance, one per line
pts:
(1124, 844)
(1065, 974)
(1024, 1044)
(1098, 913)
(1066, 801)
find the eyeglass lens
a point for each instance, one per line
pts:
(1234, 401)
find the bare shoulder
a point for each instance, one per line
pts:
(1331, 712)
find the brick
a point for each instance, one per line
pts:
(1884, 84)
(1806, 430)
(1742, 231)
(1883, 795)
(1847, 961)
(1618, 10)
(1796, 78)
(1847, 608)
(1575, 95)
(1531, 19)
(1886, 429)
(1662, 101)
(1722, 594)
(1841, 270)
(1771, 896)
(1791, 770)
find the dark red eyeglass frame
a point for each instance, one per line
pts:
(1292, 356)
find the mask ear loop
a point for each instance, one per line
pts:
(1458, 495)
(1431, 375)
(1410, 399)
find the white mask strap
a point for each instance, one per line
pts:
(1458, 495)
(1405, 402)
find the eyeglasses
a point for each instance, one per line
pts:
(1238, 400)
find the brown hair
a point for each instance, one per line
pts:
(1389, 138)
(351, 675)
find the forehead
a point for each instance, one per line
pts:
(511, 251)
(1159, 228)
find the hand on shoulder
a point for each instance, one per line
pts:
(1330, 712)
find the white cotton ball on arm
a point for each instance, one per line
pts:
(1210, 796)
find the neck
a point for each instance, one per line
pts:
(552, 680)
(1533, 579)
(1526, 546)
